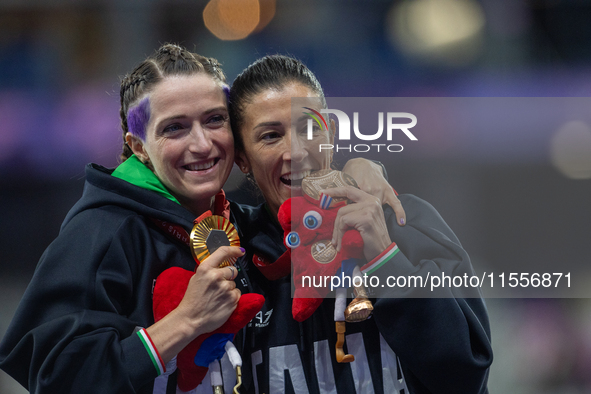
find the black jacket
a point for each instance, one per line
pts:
(410, 345)
(72, 332)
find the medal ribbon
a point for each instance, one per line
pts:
(273, 271)
(174, 231)
(221, 207)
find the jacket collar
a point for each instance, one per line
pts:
(137, 173)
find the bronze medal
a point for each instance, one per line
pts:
(323, 252)
(211, 233)
(358, 310)
(326, 179)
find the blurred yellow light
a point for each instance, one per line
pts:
(266, 15)
(570, 150)
(447, 31)
(231, 19)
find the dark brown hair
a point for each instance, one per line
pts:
(269, 72)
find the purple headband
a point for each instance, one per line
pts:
(138, 118)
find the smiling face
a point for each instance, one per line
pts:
(188, 141)
(275, 148)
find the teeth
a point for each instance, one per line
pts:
(294, 176)
(200, 166)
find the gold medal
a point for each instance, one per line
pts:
(326, 179)
(211, 233)
(323, 252)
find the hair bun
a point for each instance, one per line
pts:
(173, 50)
(213, 63)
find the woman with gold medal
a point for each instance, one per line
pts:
(85, 323)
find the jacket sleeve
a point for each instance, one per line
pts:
(442, 337)
(73, 331)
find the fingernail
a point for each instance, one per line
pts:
(242, 250)
(402, 221)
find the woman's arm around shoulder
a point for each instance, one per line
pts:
(442, 338)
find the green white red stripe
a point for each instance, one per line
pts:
(381, 259)
(152, 352)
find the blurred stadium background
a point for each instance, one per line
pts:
(61, 63)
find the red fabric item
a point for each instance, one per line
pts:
(221, 207)
(291, 215)
(169, 290)
(273, 271)
(204, 215)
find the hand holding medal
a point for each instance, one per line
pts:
(208, 235)
(313, 186)
(205, 351)
(309, 222)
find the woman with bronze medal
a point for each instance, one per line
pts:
(410, 345)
